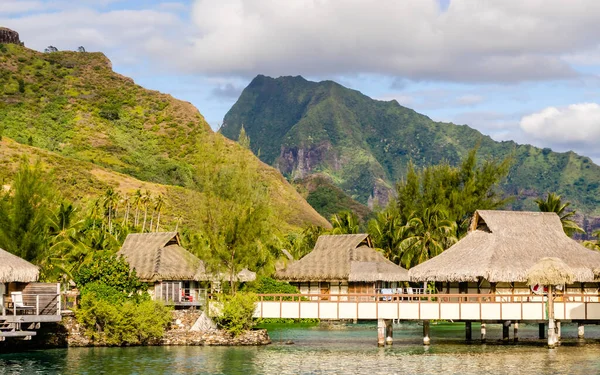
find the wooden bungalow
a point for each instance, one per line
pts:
(175, 275)
(22, 299)
(344, 264)
(499, 250)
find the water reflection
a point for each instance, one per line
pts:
(319, 351)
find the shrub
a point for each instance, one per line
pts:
(236, 312)
(127, 323)
(268, 285)
(111, 270)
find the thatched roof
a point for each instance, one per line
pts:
(243, 276)
(15, 269)
(343, 257)
(550, 271)
(502, 246)
(159, 256)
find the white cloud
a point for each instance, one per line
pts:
(577, 123)
(472, 41)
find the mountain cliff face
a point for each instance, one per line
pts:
(73, 105)
(365, 145)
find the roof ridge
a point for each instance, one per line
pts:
(157, 260)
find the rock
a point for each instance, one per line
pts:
(204, 324)
(9, 36)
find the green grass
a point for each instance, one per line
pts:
(75, 106)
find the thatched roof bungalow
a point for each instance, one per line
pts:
(499, 250)
(160, 260)
(15, 269)
(159, 256)
(342, 264)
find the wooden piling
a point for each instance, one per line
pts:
(542, 331)
(426, 340)
(389, 332)
(580, 330)
(381, 332)
(483, 333)
(505, 327)
(516, 332)
(468, 332)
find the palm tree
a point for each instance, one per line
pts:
(345, 222)
(145, 199)
(110, 203)
(127, 201)
(137, 201)
(428, 234)
(387, 233)
(553, 203)
(160, 202)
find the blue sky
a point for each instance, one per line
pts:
(526, 71)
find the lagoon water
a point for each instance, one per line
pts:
(349, 350)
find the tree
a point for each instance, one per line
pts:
(345, 222)
(238, 227)
(137, 201)
(159, 204)
(460, 191)
(80, 49)
(111, 199)
(243, 138)
(145, 199)
(553, 203)
(428, 234)
(25, 212)
(387, 233)
(50, 49)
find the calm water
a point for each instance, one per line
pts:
(335, 351)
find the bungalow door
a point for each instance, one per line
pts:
(325, 290)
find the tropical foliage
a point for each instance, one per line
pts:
(554, 203)
(236, 312)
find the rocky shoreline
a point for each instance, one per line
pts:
(188, 328)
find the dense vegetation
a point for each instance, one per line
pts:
(73, 104)
(366, 145)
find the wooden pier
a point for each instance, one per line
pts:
(505, 309)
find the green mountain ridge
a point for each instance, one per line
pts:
(73, 105)
(364, 145)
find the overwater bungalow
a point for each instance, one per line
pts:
(24, 302)
(344, 264)
(499, 249)
(173, 273)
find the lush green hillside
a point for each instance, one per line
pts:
(329, 199)
(75, 106)
(364, 145)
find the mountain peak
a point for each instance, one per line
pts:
(9, 36)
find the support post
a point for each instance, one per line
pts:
(468, 335)
(426, 340)
(505, 327)
(516, 332)
(542, 331)
(580, 330)
(558, 331)
(483, 333)
(552, 337)
(380, 332)
(389, 332)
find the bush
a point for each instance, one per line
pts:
(268, 285)
(127, 323)
(110, 270)
(236, 312)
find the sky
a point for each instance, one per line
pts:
(518, 70)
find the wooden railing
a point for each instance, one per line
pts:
(34, 304)
(427, 306)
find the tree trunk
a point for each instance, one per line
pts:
(145, 216)
(158, 221)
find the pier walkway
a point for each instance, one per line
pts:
(452, 307)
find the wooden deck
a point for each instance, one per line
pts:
(453, 307)
(41, 303)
